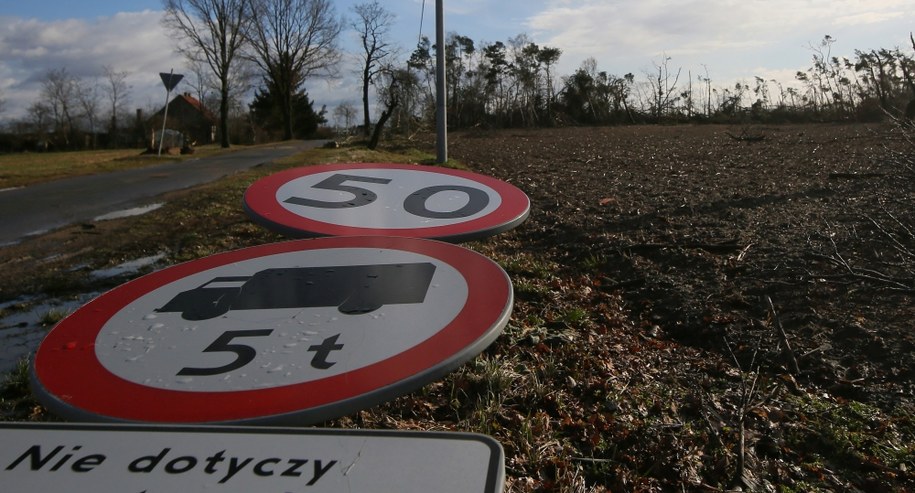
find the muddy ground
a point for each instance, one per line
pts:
(698, 230)
(786, 252)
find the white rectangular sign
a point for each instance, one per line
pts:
(152, 459)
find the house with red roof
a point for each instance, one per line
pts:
(190, 117)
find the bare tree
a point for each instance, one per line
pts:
(549, 56)
(346, 113)
(373, 25)
(689, 101)
(390, 96)
(59, 94)
(403, 86)
(707, 80)
(40, 120)
(663, 89)
(207, 88)
(291, 41)
(88, 100)
(214, 31)
(117, 89)
(201, 79)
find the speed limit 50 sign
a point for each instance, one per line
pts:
(296, 332)
(386, 199)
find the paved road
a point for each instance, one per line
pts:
(47, 206)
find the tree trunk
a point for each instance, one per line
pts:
(224, 116)
(287, 116)
(385, 115)
(367, 121)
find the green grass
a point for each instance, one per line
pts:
(575, 316)
(16, 400)
(851, 433)
(53, 316)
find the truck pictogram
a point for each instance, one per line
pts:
(353, 289)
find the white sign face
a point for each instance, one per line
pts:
(334, 197)
(386, 199)
(119, 458)
(150, 344)
(293, 332)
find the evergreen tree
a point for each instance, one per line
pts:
(267, 113)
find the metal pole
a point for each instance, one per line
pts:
(168, 94)
(441, 115)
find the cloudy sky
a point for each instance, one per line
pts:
(733, 39)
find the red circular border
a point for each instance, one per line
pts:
(261, 204)
(67, 367)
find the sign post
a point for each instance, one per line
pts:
(289, 333)
(170, 80)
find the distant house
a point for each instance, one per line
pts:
(189, 116)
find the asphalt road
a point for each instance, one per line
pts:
(41, 208)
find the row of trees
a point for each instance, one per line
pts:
(514, 84)
(873, 80)
(275, 46)
(75, 110)
(288, 41)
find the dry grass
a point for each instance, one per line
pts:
(29, 168)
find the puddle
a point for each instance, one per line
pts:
(37, 232)
(129, 267)
(136, 211)
(21, 332)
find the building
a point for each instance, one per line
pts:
(189, 116)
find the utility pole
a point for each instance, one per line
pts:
(441, 114)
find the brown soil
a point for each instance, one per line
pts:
(696, 229)
(784, 252)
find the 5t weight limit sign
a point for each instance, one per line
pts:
(386, 199)
(295, 332)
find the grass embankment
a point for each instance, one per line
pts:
(29, 168)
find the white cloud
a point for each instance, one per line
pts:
(131, 42)
(862, 18)
(728, 35)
